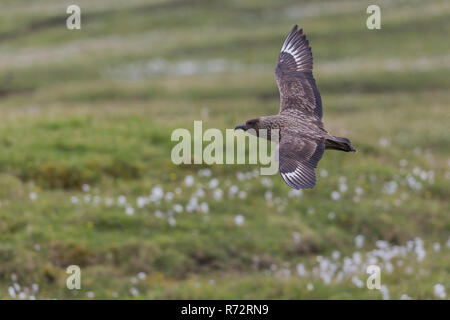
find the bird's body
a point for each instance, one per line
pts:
(302, 136)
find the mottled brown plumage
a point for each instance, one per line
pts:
(302, 138)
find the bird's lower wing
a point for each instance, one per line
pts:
(298, 158)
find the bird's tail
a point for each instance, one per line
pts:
(338, 143)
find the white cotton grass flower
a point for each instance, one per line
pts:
(129, 210)
(242, 194)
(389, 267)
(204, 173)
(384, 142)
(141, 202)
(85, 187)
(295, 193)
(266, 182)
(233, 190)
(178, 208)
(336, 255)
(419, 249)
(390, 187)
(357, 282)
(200, 193)
(134, 292)
(33, 196)
(189, 181)
(12, 292)
(213, 183)
(158, 214)
(218, 193)
(192, 205)
(156, 193)
(323, 173)
(359, 241)
(437, 246)
(121, 200)
(384, 292)
(204, 207)
(301, 270)
(142, 275)
(405, 297)
(357, 258)
(90, 294)
(310, 286)
(87, 198)
(331, 215)
(169, 196)
(335, 195)
(22, 295)
(359, 191)
(413, 183)
(96, 200)
(172, 221)
(439, 291)
(239, 220)
(74, 200)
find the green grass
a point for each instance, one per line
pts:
(87, 108)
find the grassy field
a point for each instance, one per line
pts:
(85, 171)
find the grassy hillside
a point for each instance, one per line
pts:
(86, 177)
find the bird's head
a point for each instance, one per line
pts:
(250, 124)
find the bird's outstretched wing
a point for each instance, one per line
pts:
(298, 90)
(298, 158)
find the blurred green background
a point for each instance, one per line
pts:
(86, 177)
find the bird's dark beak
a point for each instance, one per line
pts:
(241, 126)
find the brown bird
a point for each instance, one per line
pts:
(302, 137)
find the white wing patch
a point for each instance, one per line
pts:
(301, 177)
(293, 53)
(297, 46)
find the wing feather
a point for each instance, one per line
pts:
(298, 159)
(293, 73)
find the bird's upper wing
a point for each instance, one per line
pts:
(298, 90)
(298, 157)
